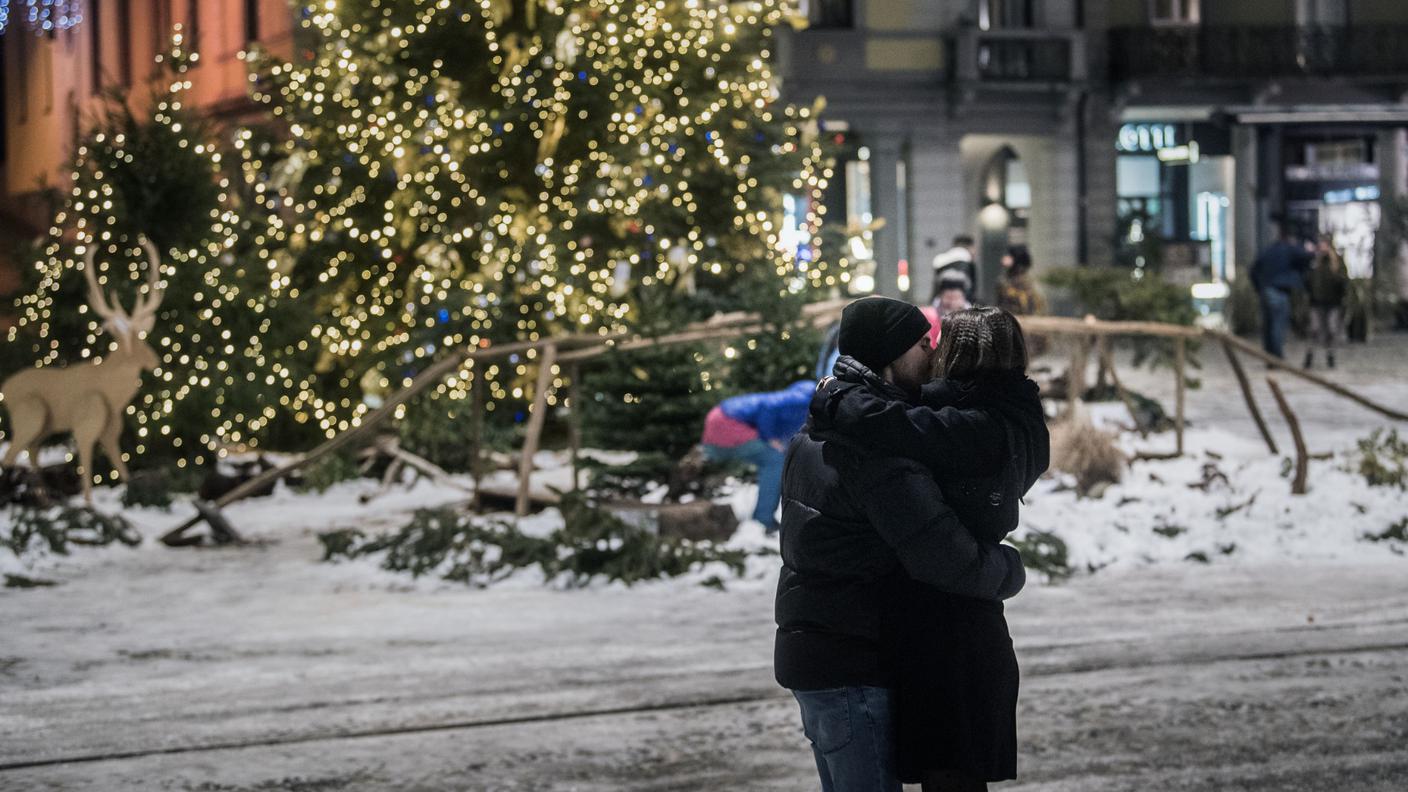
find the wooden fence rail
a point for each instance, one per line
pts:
(574, 350)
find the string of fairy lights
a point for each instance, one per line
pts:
(615, 141)
(469, 173)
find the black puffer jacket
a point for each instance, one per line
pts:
(986, 439)
(852, 524)
(950, 658)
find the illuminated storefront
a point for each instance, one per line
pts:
(1174, 183)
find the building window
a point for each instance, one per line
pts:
(1174, 12)
(829, 13)
(95, 29)
(193, 25)
(1003, 14)
(161, 25)
(4, 100)
(251, 20)
(22, 48)
(124, 41)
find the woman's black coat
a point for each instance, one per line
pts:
(951, 657)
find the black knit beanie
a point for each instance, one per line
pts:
(876, 331)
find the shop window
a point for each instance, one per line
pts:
(1339, 152)
(1174, 12)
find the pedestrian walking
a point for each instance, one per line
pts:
(1277, 274)
(1016, 293)
(952, 298)
(854, 524)
(958, 263)
(754, 428)
(1328, 286)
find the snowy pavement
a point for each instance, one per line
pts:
(260, 668)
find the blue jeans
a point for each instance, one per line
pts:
(769, 461)
(1275, 320)
(852, 734)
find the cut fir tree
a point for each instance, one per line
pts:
(469, 173)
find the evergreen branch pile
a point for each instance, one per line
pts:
(60, 528)
(592, 545)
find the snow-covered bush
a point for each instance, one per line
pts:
(1044, 553)
(1383, 459)
(30, 533)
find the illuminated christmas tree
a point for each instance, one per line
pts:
(230, 349)
(461, 173)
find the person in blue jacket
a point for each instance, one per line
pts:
(755, 428)
(1279, 272)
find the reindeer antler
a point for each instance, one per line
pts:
(147, 304)
(96, 298)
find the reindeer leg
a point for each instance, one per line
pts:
(86, 431)
(109, 442)
(27, 421)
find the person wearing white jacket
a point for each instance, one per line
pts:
(957, 263)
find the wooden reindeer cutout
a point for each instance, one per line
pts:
(88, 400)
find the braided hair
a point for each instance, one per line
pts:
(978, 341)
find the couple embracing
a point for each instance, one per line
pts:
(895, 498)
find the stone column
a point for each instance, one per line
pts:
(1391, 243)
(1246, 200)
(1101, 201)
(937, 207)
(885, 203)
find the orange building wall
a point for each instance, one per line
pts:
(51, 85)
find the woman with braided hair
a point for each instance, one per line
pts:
(979, 426)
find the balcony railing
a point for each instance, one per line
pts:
(998, 56)
(1257, 52)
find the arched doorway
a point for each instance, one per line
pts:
(1005, 201)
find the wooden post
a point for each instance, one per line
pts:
(476, 462)
(1102, 360)
(574, 373)
(1180, 362)
(1107, 363)
(535, 426)
(1302, 456)
(1249, 398)
(1075, 377)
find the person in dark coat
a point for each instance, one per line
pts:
(854, 522)
(1327, 285)
(981, 430)
(1016, 292)
(1277, 274)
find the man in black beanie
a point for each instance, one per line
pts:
(852, 523)
(879, 332)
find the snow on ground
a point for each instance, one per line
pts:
(258, 668)
(1226, 501)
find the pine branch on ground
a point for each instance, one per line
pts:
(592, 545)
